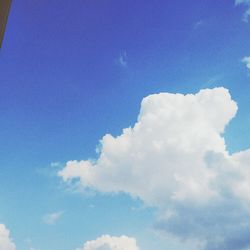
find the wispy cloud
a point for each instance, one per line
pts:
(212, 81)
(198, 24)
(55, 164)
(122, 60)
(246, 60)
(52, 218)
(246, 3)
(29, 244)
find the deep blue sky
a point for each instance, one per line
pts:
(63, 86)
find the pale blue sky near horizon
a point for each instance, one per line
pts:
(70, 72)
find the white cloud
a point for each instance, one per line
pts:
(55, 164)
(107, 242)
(162, 157)
(123, 59)
(246, 60)
(175, 158)
(247, 12)
(5, 240)
(52, 218)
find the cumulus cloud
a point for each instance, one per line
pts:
(175, 158)
(52, 218)
(5, 240)
(247, 12)
(107, 242)
(246, 60)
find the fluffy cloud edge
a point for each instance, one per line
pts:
(247, 12)
(6, 242)
(107, 242)
(246, 60)
(175, 158)
(169, 127)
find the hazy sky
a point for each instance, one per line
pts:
(95, 152)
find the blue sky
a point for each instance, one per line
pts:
(73, 71)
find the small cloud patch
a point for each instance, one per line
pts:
(246, 3)
(106, 242)
(122, 60)
(52, 218)
(246, 60)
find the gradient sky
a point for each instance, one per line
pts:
(73, 71)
